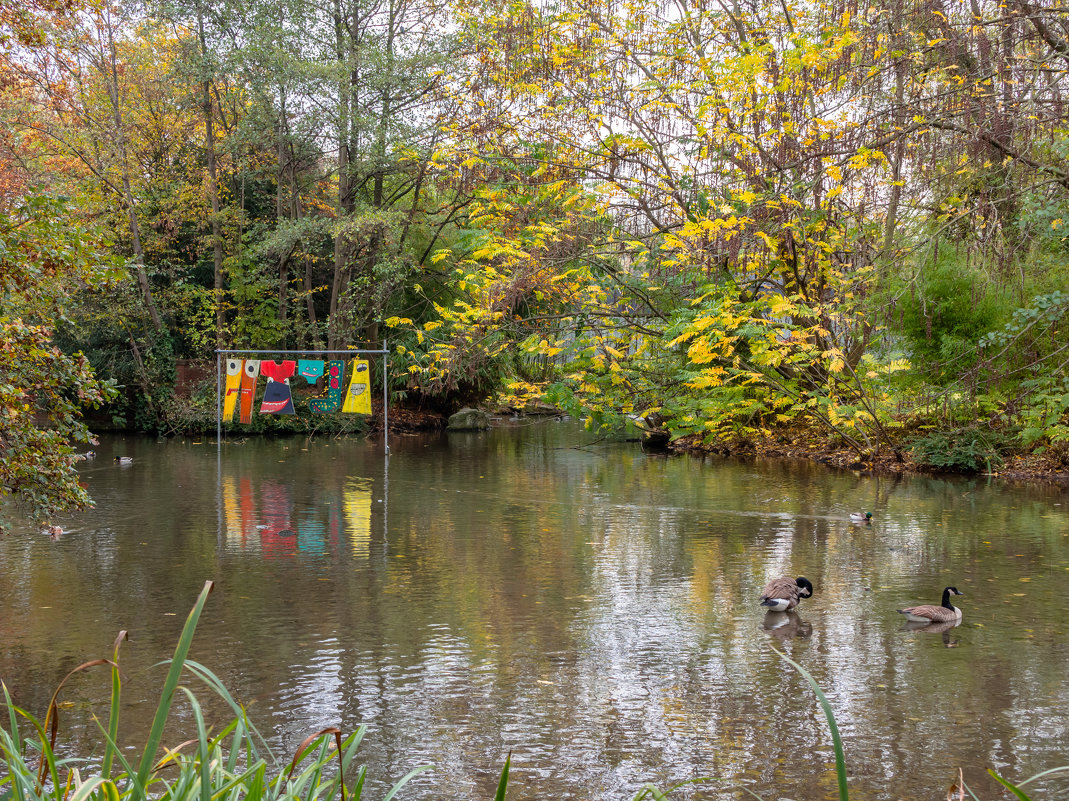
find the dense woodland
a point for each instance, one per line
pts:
(729, 221)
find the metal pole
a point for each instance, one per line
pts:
(385, 399)
(350, 352)
(385, 507)
(218, 400)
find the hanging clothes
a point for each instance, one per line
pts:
(311, 369)
(358, 396)
(233, 388)
(330, 402)
(277, 396)
(249, 376)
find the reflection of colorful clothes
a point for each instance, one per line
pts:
(330, 403)
(233, 388)
(234, 535)
(310, 369)
(247, 507)
(312, 537)
(276, 508)
(358, 396)
(249, 375)
(277, 397)
(357, 500)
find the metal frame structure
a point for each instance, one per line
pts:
(220, 354)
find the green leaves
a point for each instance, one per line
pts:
(45, 257)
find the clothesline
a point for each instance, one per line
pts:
(242, 377)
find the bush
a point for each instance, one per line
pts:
(961, 450)
(945, 316)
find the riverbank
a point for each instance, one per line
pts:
(812, 446)
(1001, 455)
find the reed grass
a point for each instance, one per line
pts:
(237, 763)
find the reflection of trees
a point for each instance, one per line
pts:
(593, 609)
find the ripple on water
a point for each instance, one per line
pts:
(592, 609)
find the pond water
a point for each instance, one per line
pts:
(586, 606)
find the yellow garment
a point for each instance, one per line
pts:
(233, 388)
(358, 395)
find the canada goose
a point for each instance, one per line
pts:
(124, 459)
(784, 593)
(859, 517)
(929, 613)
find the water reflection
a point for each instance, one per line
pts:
(935, 628)
(590, 607)
(786, 625)
(262, 516)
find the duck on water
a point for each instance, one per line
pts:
(784, 593)
(930, 613)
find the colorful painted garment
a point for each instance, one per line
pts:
(358, 396)
(330, 403)
(311, 369)
(249, 375)
(233, 388)
(277, 396)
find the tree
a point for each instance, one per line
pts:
(45, 255)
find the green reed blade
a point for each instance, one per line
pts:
(245, 780)
(503, 782)
(84, 792)
(969, 791)
(358, 786)
(216, 685)
(11, 714)
(203, 755)
(113, 714)
(127, 769)
(352, 742)
(840, 757)
(163, 710)
(1015, 790)
(411, 774)
(1061, 769)
(254, 791)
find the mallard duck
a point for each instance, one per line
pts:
(861, 517)
(930, 613)
(124, 459)
(784, 593)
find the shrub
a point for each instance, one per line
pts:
(961, 450)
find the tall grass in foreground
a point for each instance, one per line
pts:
(236, 764)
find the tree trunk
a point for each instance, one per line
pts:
(891, 221)
(345, 200)
(213, 186)
(128, 195)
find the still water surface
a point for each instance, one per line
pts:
(591, 608)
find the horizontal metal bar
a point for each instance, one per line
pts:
(306, 352)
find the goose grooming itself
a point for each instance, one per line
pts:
(930, 613)
(784, 593)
